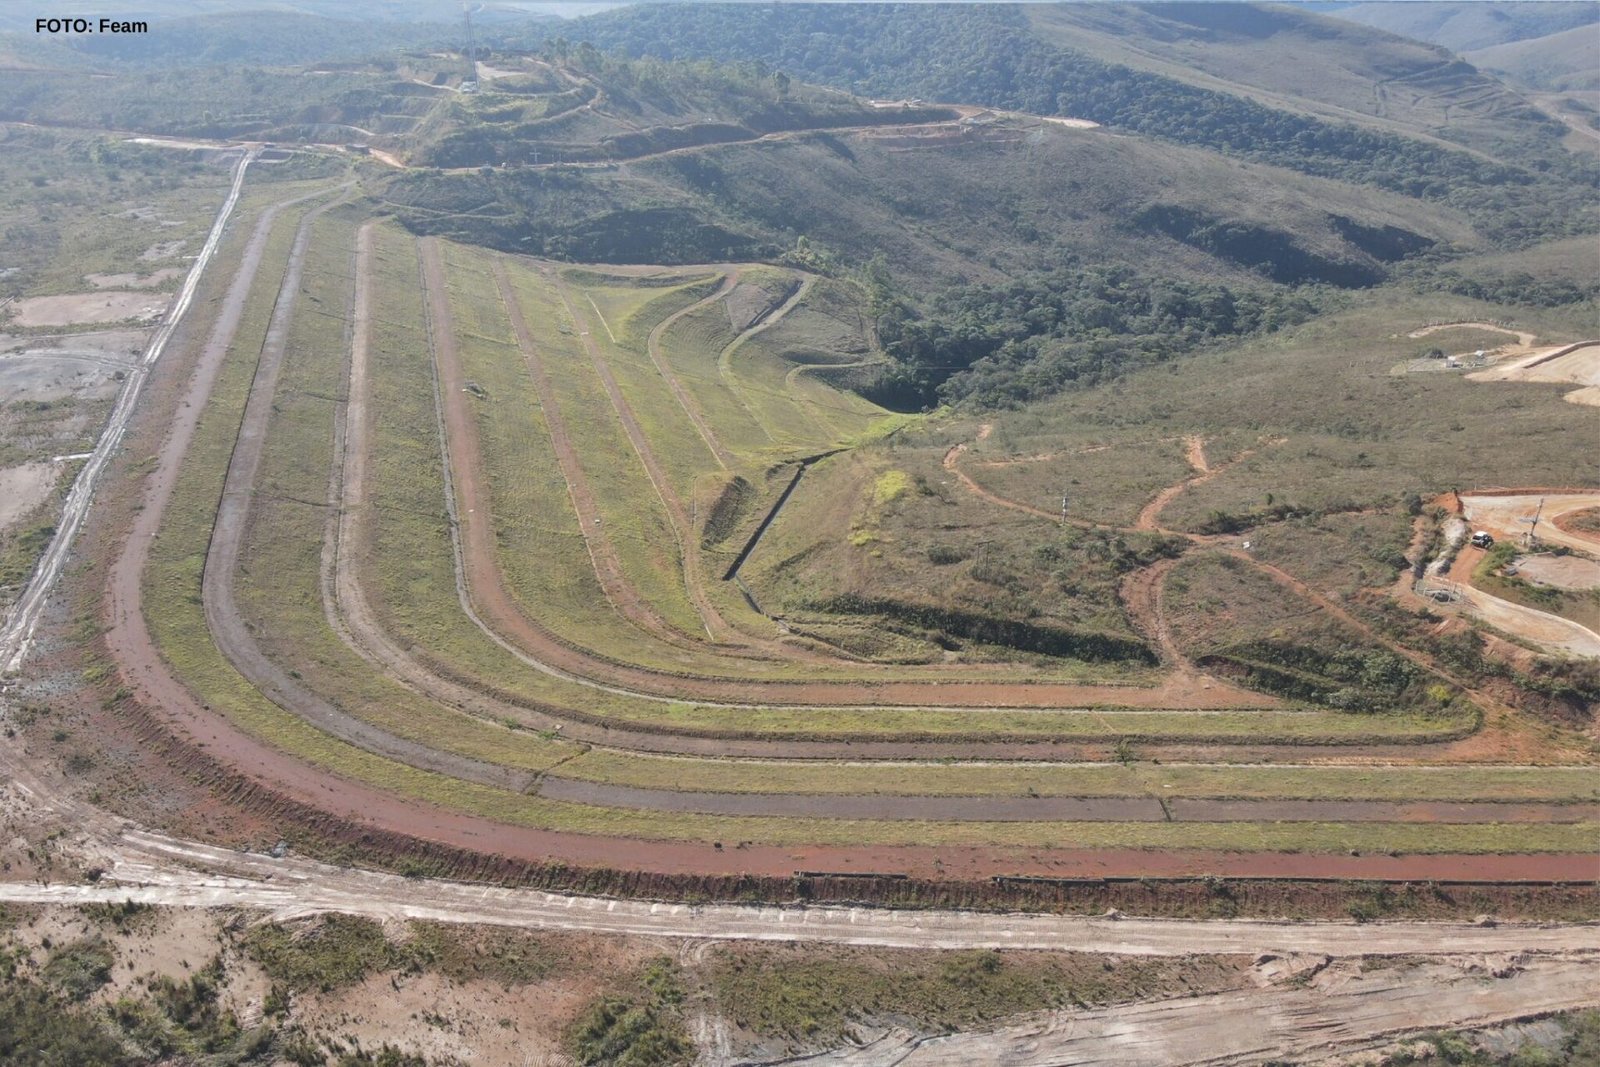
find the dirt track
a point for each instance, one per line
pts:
(602, 553)
(1576, 363)
(1509, 515)
(1053, 808)
(158, 869)
(688, 541)
(1344, 1006)
(1524, 339)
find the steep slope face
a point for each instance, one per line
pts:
(1461, 27)
(1297, 60)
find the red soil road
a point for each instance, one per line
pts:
(1204, 472)
(1054, 808)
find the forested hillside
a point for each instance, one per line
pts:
(990, 55)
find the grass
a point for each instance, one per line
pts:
(633, 517)
(1109, 484)
(691, 348)
(1259, 782)
(279, 587)
(1356, 434)
(939, 544)
(21, 546)
(672, 435)
(413, 582)
(82, 203)
(337, 952)
(176, 620)
(1580, 605)
(815, 995)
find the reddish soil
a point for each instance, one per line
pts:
(1054, 808)
(1204, 472)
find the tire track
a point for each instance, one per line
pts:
(1346, 1007)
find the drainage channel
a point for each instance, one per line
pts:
(732, 574)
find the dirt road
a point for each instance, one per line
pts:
(1508, 515)
(1344, 1006)
(152, 868)
(1540, 627)
(1524, 339)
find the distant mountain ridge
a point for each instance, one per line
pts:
(1465, 26)
(1569, 60)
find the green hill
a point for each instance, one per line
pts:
(1497, 157)
(945, 196)
(1287, 58)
